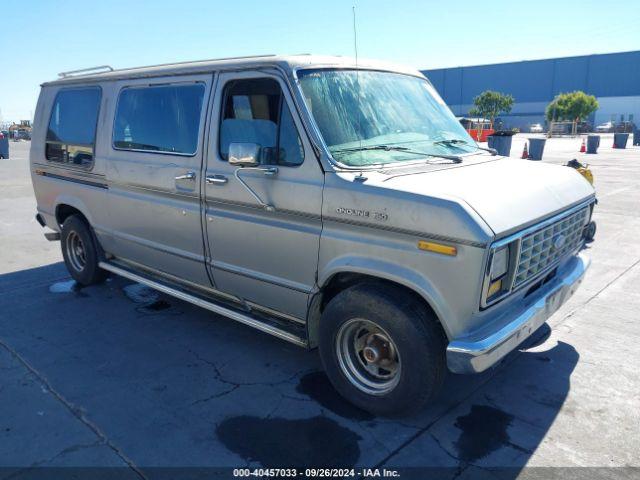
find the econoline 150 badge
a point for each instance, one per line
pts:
(354, 212)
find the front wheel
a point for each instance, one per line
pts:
(80, 251)
(382, 349)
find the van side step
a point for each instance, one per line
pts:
(289, 331)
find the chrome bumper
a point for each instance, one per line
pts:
(482, 349)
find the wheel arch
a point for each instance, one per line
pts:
(66, 206)
(353, 271)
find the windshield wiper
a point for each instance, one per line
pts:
(388, 148)
(459, 141)
(371, 147)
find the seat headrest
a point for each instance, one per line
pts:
(262, 132)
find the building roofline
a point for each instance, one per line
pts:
(530, 61)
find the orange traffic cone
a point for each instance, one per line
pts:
(583, 148)
(525, 153)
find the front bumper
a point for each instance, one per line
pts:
(482, 349)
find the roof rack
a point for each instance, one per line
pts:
(86, 71)
(186, 62)
(109, 68)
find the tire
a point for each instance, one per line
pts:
(590, 232)
(401, 382)
(81, 251)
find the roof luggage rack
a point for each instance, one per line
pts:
(186, 62)
(86, 71)
(109, 68)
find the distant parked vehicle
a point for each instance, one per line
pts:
(536, 128)
(23, 134)
(624, 127)
(606, 127)
(477, 128)
(583, 127)
(4, 145)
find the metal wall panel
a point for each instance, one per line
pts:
(569, 74)
(615, 75)
(453, 84)
(536, 82)
(610, 75)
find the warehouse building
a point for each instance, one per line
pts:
(613, 78)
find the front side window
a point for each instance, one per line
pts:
(255, 111)
(372, 118)
(159, 118)
(72, 127)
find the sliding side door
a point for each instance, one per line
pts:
(153, 168)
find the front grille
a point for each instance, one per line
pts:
(548, 245)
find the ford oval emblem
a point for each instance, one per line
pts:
(558, 241)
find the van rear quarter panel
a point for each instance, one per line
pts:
(83, 189)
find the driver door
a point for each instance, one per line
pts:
(267, 258)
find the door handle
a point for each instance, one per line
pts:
(187, 176)
(216, 179)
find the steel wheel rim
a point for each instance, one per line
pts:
(76, 251)
(368, 356)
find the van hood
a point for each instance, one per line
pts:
(509, 194)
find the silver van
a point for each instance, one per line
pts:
(331, 204)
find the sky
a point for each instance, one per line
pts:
(43, 37)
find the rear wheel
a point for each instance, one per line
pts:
(382, 349)
(80, 251)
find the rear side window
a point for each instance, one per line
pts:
(72, 127)
(159, 118)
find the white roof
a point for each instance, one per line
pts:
(287, 62)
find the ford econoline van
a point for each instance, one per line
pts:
(331, 204)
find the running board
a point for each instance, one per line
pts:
(182, 294)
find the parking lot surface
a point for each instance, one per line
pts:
(118, 375)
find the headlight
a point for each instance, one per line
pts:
(496, 281)
(499, 263)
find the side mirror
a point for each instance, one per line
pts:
(244, 154)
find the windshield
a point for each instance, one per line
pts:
(370, 117)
